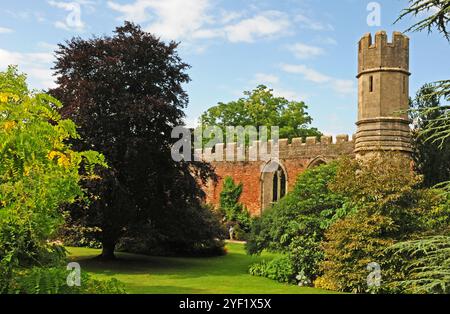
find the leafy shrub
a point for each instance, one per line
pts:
(39, 172)
(351, 244)
(233, 212)
(295, 225)
(54, 281)
(279, 269)
(389, 208)
(305, 253)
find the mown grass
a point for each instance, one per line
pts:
(223, 274)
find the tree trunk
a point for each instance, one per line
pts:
(108, 250)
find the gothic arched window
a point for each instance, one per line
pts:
(278, 184)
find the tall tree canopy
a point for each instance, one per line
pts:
(435, 14)
(125, 92)
(261, 108)
(432, 158)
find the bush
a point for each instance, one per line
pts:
(295, 225)
(39, 172)
(299, 264)
(279, 269)
(233, 212)
(305, 253)
(389, 208)
(351, 244)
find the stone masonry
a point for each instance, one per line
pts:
(383, 125)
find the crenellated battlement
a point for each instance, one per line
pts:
(311, 147)
(380, 53)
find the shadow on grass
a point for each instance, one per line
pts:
(185, 275)
(231, 264)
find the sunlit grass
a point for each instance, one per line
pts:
(223, 274)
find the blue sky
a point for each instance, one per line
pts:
(303, 49)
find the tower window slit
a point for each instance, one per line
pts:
(371, 83)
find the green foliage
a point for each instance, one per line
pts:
(234, 213)
(229, 199)
(279, 269)
(437, 129)
(38, 280)
(351, 244)
(427, 269)
(295, 224)
(39, 172)
(305, 253)
(261, 108)
(79, 235)
(431, 158)
(307, 210)
(389, 208)
(436, 12)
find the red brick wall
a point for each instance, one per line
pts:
(294, 158)
(249, 173)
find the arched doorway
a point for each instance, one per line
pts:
(274, 183)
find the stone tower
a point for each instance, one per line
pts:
(383, 97)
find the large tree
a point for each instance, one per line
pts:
(125, 92)
(431, 158)
(434, 14)
(261, 108)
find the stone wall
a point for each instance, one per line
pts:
(293, 157)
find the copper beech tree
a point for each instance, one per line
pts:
(125, 93)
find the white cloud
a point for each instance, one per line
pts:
(170, 19)
(5, 30)
(207, 33)
(288, 94)
(265, 24)
(193, 20)
(263, 78)
(303, 51)
(36, 64)
(342, 87)
(311, 24)
(136, 12)
(309, 74)
(230, 16)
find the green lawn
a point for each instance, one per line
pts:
(146, 274)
